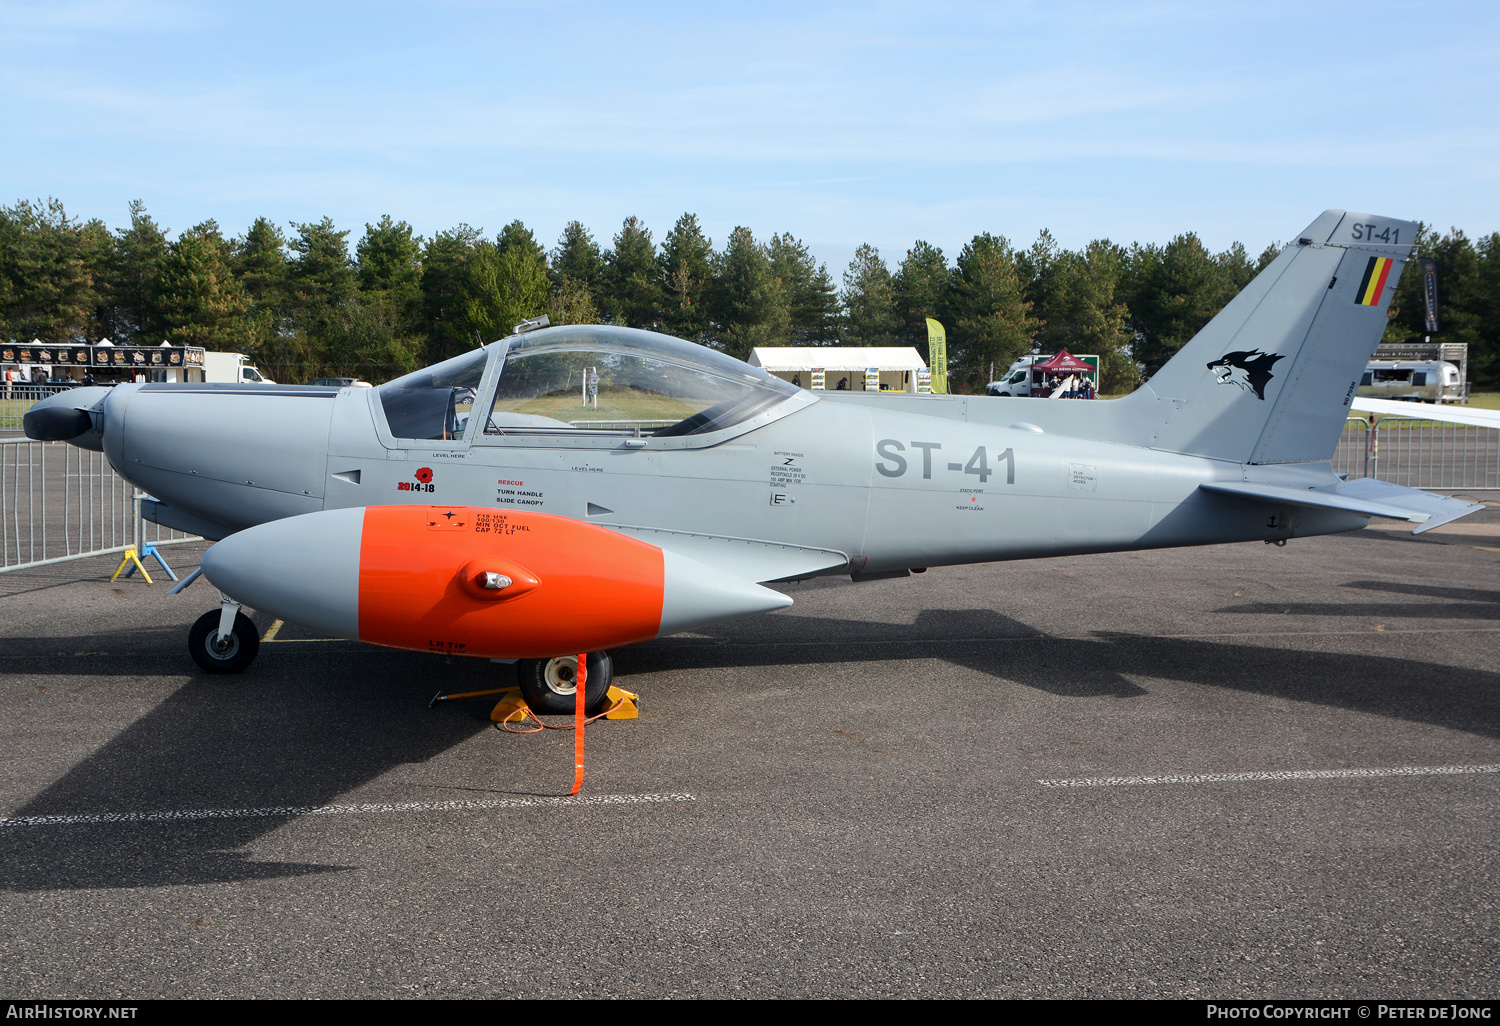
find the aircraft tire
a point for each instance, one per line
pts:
(546, 683)
(244, 643)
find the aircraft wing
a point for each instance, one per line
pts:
(1424, 411)
(748, 558)
(1366, 496)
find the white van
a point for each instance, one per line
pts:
(1015, 381)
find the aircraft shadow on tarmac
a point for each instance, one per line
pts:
(308, 724)
(1462, 604)
(291, 732)
(984, 641)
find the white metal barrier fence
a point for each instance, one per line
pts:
(60, 502)
(1420, 453)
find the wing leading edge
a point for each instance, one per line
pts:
(1423, 411)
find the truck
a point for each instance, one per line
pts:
(233, 367)
(1020, 379)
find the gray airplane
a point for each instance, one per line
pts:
(570, 489)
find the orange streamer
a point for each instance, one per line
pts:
(579, 719)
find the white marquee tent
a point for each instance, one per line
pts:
(897, 366)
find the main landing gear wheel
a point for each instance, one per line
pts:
(551, 685)
(230, 654)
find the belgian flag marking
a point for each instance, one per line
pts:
(1373, 283)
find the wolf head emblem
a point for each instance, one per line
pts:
(1250, 371)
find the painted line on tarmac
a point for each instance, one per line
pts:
(372, 808)
(682, 641)
(270, 638)
(1230, 778)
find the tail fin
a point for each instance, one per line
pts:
(1270, 379)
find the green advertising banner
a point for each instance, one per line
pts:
(937, 355)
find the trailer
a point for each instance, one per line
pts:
(1428, 372)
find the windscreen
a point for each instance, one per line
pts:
(621, 380)
(434, 403)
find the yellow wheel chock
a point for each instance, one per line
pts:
(626, 704)
(622, 704)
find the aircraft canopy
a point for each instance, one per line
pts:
(592, 378)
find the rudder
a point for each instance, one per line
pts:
(1270, 379)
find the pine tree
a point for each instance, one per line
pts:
(631, 281)
(685, 267)
(812, 303)
(445, 263)
(390, 260)
(1073, 296)
(258, 259)
(134, 265)
(921, 286)
(749, 306)
(367, 337)
(1484, 355)
(869, 300)
(1468, 300)
(198, 298)
(97, 249)
(48, 264)
(993, 323)
(506, 283)
(1237, 269)
(577, 272)
(1173, 291)
(321, 282)
(322, 273)
(577, 256)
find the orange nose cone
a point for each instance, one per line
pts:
(433, 579)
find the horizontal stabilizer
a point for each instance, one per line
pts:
(1366, 496)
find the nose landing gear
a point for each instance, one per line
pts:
(223, 640)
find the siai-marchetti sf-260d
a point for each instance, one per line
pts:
(575, 488)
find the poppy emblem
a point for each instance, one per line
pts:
(424, 475)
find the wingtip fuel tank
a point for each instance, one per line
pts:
(466, 581)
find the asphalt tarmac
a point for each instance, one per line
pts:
(1154, 774)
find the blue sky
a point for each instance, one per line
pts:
(841, 123)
